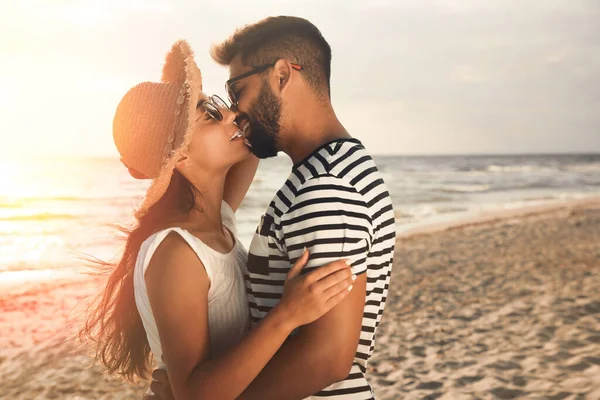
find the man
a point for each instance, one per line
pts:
(334, 203)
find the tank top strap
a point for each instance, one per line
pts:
(202, 250)
(228, 218)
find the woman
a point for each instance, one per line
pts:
(178, 291)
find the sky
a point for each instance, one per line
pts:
(408, 76)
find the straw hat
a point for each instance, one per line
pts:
(154, 122)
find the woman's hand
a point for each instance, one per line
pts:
(308, 297)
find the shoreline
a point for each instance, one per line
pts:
(33, 278)
(498, 215)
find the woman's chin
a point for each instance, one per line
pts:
(240, 150)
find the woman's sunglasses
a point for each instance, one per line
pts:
(212, 106)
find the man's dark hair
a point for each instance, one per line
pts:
(292, 38)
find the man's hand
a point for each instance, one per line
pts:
(160, 388)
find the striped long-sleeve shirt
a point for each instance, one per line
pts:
(336, 204)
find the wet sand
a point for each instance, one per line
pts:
(501, 309)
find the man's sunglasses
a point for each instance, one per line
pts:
(212, 106)
(257, 70)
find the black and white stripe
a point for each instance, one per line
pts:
(336, 204)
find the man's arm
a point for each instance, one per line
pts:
(320, 355)
(331, 219)
(238, 181)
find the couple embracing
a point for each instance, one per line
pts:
(295, 316)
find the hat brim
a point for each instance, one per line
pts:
(179, 59)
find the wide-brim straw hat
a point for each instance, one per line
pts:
(154, 122)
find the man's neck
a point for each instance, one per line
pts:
(310, 135)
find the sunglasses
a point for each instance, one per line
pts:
(257, 70)
(212, 106)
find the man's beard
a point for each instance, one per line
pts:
(264, 123)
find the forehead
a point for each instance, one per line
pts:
(236, 68)
(202, 96)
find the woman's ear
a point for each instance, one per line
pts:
(181, 164)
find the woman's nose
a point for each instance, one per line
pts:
(228, 116)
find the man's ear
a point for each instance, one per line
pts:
(283, 73)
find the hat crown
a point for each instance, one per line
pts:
(146, 126)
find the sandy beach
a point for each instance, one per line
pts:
(503, 307)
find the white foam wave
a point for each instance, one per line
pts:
(593, 167)
(465, 188)
(513, 168)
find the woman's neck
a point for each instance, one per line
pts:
(206, 215)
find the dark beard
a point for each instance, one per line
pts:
(264, 123)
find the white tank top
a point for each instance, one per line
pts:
(228, 311)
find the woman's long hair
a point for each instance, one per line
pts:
(113, 324)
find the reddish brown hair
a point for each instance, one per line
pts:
(113, 325)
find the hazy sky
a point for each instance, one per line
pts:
(408, 76)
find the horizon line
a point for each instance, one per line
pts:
(482, 154)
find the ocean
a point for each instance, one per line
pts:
(55, 211)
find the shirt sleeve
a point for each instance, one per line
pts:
(330, 218)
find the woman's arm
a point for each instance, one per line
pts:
(238, 181)
(178, 290)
